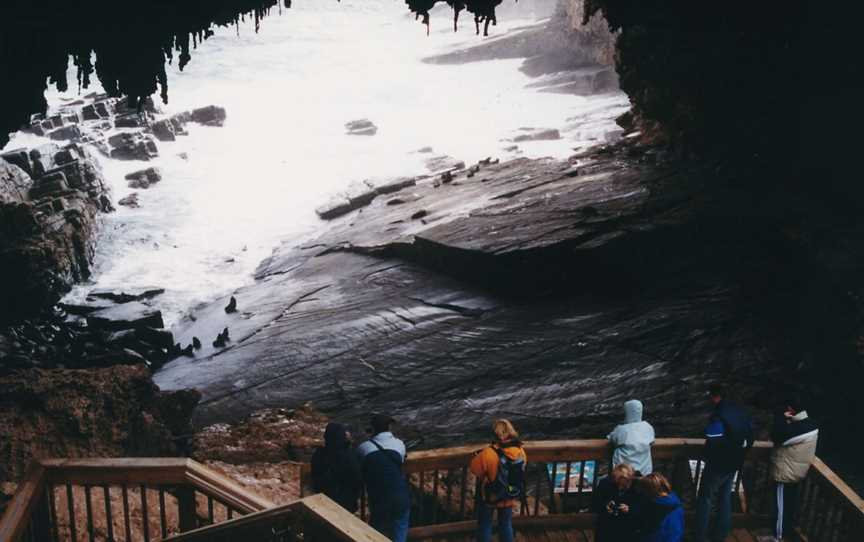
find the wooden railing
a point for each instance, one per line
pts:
(144, 499)
(830, 509)
(179, 500)
(444, 492)
(312, 519)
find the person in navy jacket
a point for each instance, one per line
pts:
(381, 458)
(728, 437)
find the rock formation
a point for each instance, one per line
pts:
(50, 198)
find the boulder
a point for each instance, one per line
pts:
(49, 184)
(363, 127)
(157, 337)
(442, 163)
(131, 315)
(18, 157)
(336, 207)
(163, 130)
(132, 146)
(71, 132)
(83, 309)
(212, 115)
(88, 112)
(537, 134)
(15, 184)
(129, 201)
(130, 121)
(127, 294)
(101, 109)
(144, 178)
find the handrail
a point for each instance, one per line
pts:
(849, 496)
(125, 472)
(29, 513)
(564, 450)
(18, 513)
(323, 514)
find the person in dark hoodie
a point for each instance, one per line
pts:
(382, 457)
(613, 503)
(795, 436)
(660, 514)
(336, 468)
(728, 437)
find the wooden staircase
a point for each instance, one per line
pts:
(175, 499)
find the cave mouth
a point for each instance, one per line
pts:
(131, 45)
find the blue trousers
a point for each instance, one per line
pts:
(785, 508)
(391, 518)
(716, 489)
(484, 523)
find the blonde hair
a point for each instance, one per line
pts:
(654, 485)
(623, 470)
(504, 430)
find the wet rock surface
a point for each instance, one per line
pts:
(545, 291)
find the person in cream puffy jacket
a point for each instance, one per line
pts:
(795, 436)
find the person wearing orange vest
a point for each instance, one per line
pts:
(500, 468)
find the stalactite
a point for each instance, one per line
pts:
(131, 57)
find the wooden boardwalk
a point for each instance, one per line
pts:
(571, 535)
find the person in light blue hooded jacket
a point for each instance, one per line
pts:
(632, 439)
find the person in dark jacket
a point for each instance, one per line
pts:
(381, 459)
(612, 501)
(659, 512)
(336, 468)
(795, 436)
(728, 437)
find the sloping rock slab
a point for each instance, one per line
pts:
(525, 288)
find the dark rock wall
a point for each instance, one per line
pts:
(50, 199)
(713, 76)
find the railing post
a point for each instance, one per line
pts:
(186, 508)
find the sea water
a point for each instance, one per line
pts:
(230, 194)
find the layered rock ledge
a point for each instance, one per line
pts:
(545, 291)
(50, 199)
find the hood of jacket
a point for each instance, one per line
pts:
(336, 437)
(512, 449)
(633, 411)
(669, 500)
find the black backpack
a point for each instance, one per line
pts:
(510, 482)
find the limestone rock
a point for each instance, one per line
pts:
(441, 163)
(144, 178)
(132, 146)
(131, 315)
(130, 201)
(537, 134)
(212, 115)
(363, 127)
(126, 295)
